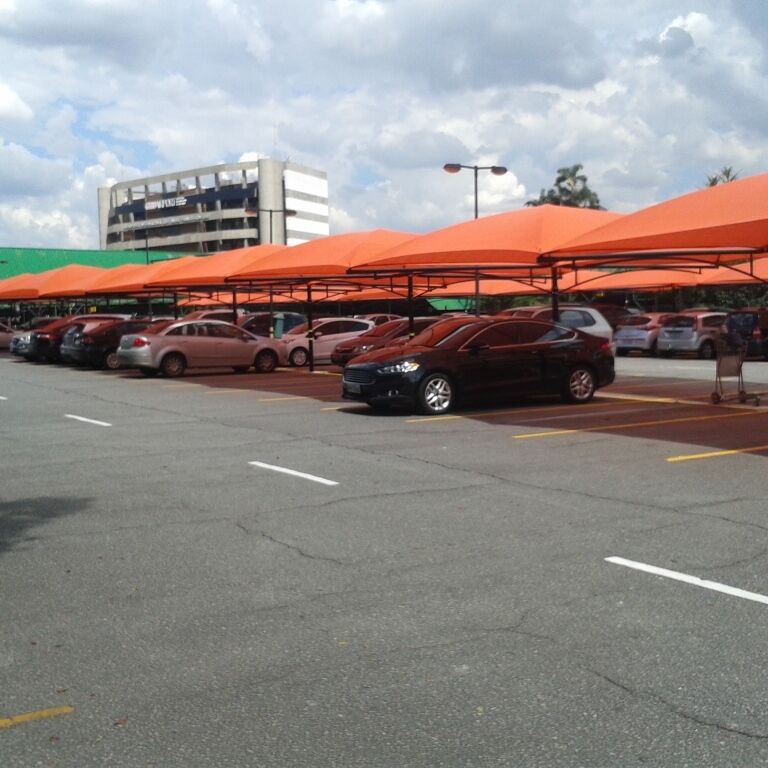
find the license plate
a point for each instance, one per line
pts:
(353, 388)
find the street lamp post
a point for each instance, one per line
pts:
(496, 170)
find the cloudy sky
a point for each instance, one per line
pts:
(650, 96)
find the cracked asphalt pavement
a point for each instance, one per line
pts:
(448, 603)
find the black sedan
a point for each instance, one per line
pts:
(471, 357)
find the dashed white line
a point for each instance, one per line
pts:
(87, 421)
(694, 580)
(293, 472)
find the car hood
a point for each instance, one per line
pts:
(391, 353)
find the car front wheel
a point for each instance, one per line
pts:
(173, 365)
(707, 350)
(435, 394)
(299, 357)
(266, 361)
(580, 385)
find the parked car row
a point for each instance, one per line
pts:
(695, 331)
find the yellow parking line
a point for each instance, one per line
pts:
(9, 722)
(716, 454)
(326, 373)
(632, 425)
(278, 399)
(522, 411)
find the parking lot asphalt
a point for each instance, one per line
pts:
(244, 570)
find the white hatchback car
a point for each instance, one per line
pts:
(639, 332)
(582, 318)
(327, 334)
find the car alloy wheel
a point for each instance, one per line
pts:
(580, 386)
(110, 360)
(436, 394)
(707, 350)
(299, 357)
(173, 365)
(266, 361)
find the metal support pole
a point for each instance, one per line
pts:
(234, 307)
(411, 324)
(175, 305)
(271, 316)
(476, 170)
(555, 297)
(310, 331)
(477, 293)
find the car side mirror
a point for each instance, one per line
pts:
(318, 335)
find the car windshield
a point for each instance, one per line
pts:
(442, 333)
(634, 320)
(160, 327)
(385, 329)
(680, 321)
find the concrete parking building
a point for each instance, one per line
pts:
(216, 208)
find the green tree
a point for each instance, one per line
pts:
(570, 189)
(723, 176)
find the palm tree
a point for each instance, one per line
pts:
(723, 176)
(570, 189)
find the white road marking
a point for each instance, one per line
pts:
(293, 472)
(694, 580)
(3, 398)
(87, 421)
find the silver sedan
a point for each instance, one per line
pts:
(175, 345)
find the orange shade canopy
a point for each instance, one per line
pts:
(325, 257)
(133, 278)
(515, 238)
(632, 280)
(11, 284)
(217, 268)
(494, 288)
(62, 282)
(724, 219)
(747, 273)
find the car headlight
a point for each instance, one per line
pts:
(364, 348)
(406, 366)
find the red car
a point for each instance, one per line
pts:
(380, 336)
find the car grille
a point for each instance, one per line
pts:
(359, 376)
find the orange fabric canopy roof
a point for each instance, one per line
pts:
(725, 218)
(217, 268)
(632, 279)
(325, 257)
(72, 280)
(133, 278)
(514, 238)
(738, 274)
(10, 284)
(54, 283)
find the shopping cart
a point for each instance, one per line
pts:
(729, 365)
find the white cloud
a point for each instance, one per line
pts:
(649, 95)
(12, 106)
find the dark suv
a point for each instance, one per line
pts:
(751, 324)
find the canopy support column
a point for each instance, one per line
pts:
(310, 331)
(477, 293)
(411, 324)
(175, 305)
(234, 306)
(271, 315)
(555, 297)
